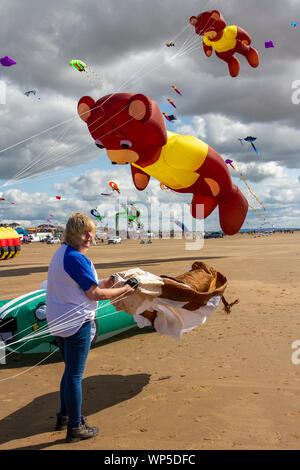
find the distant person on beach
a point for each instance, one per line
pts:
(72, 294)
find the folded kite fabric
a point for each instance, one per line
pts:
(174, 305)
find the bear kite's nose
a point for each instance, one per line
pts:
(113, 163)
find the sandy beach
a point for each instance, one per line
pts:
(229, 384)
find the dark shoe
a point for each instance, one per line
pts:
(61, 423)
(83, 431)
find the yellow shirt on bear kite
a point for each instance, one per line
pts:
(178, 161)
(227, 41)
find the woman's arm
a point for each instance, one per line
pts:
(96, 293)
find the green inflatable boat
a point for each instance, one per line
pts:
(24, 329)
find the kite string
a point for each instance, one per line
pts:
(49, 355)
(55, 159)
(145, 65)
(52, 127)
(251, 190)
(67, 153)
(67, 120)
(255, 210)
(55, 325)
(30, 165)
(39, 157)
(30, 368)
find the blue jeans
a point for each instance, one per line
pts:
(74, 350)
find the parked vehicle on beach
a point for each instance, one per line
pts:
(53, 241)
(114, 240)
(33, 238)
(213, 235)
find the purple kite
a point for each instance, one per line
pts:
(7, 61)
(269, 44)
(229, 162)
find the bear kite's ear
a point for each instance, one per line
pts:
(215, 15)
(193, 20)
(84, 107)
(140, 107)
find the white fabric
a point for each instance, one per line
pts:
(149, 287)
(67, 304)
(172, 319)
(150, 284)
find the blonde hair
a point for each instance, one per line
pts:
(77, 225)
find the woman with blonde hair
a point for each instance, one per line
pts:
(73, 290)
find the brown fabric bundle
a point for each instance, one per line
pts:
(196, 287)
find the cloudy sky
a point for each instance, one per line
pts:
(46, 150)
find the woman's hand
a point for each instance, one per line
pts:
(128, 289)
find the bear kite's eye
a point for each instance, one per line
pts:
(212, 28)
(99, 144)
(126, 144)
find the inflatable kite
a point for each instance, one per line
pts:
(114, 186)
(269, 44)
(171, 102)
(174, 306)
(170, 117)
(225, 40)
(78, 64)
(30, 92)
(182, 162)
(96, 214)
(10, 243)
(176, 89)
(82, 67)
(7, 61)
(132, 214)
(251, 140)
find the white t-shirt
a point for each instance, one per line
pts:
(70, 274)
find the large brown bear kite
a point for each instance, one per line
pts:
(225, 40)
(132, 129)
